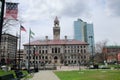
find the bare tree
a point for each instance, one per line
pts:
(99, 58)
(99, 50)
(100, 45)
(9, 24)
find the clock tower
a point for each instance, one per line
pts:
(56, 29)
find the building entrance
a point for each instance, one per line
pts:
(55, 59)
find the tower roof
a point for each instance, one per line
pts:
(56, 21)
(56, 18)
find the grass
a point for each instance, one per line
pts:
(26, 73)
(4, 72)
(12, 72)
(89, 75)
(115, 66)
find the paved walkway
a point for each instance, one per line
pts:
(45, 75)
(49, 74)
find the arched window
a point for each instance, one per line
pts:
(58, 50)
(81, 51)
(84, 51)
(52, 50)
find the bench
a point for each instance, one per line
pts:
(30, 71)
(8, 77)
(19, 74)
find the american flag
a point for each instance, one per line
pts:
(22, 28)
(11, 10)
(36, 54)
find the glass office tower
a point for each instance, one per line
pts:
(83, 31)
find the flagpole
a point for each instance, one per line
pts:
(19, 46)
(16, 52)
(29, 53)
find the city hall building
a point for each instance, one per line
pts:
(57, 51)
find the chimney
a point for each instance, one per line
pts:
(65, 37)
(46, 38)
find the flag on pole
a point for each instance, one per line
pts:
(31, 34)
(11, 10)
(22, 28)
(36, 54)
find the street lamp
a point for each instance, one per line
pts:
(92, 57)
(8, 60)
(34, 55)
(79, 60)
(3, 56)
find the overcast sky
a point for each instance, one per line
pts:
(39, 16)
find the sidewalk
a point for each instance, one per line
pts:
(49, 74)
(44, 75)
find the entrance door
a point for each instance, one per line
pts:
(55, 59)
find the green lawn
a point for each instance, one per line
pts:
(12, 72)
(4, 72)
(89, 75)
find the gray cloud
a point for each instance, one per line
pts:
(38, 13)
(113, 7)
(75, 8)
(43, 8)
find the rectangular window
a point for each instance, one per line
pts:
(39, 57)
(81, 46)
(46, 57)
(46, 51)
(43, 51)
(39, 51)
(52, 50)
(65, 51)
(84, 46)
(58, 50)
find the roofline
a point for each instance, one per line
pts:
(9, 35)
(51, 44)
(112, 47)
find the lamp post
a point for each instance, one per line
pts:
(92, 57)
(34, 55)
(3, 56)
(117, 59)
(8, 60)
(15, 65)
(79, 61)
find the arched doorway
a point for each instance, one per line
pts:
(55, 59)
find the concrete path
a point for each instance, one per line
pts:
(44, 75)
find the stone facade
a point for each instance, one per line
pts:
(57, 51)
(8, 48)
(56, 29)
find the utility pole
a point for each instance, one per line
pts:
(1, 21)
(1, 18)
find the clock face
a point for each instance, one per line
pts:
(56, 32)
